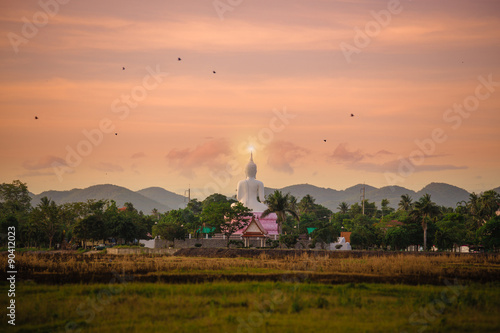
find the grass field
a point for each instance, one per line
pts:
(69, 292)
(257, 307)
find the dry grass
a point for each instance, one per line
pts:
(83, 268)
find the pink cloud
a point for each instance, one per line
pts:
(343, 155)
(212, 154)
(108, 167)
(283, 154)
(138, 155)
(44, 163)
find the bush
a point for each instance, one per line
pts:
(272, 243)
(289, 240)
(237, 243)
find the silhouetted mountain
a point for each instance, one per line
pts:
(444, 194)
(163, 200)
(97, 192)
(441, 194)
(165, 197)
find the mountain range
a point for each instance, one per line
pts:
(156, 197)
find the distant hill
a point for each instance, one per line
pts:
(163, 200)
(97, 192)
(165, 197)
(442, 194)
(446, 195)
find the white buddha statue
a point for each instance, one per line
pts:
(251, 188)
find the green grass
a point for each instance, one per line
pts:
(254, 307)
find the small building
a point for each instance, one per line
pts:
(346, 235)
(254, 230)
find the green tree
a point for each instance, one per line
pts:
(450, 231)
(280, 204)
(15, 199)
(398, 238)
(90, 228)
(363, 237)
(171, 226)
(289, 240)
(235, 218)
(406, 203)
(425, 209)
(343, 208)
(48, 218)
(385, 207)
(195, 206)
(306, 204)
(325, 233)
(489, 234)
(216, 197)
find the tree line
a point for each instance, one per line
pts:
(423, 223)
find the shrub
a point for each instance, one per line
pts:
(289, 240)
(237, 243)
(272, 243)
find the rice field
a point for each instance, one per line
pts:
(255, 292)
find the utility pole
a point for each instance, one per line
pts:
(363, 198)
(189, 193)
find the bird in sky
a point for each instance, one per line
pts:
(116, 133)
(352, 115)
(324, 140)
(36, 117)
(214, 72)
(123, 68)
(179, 59)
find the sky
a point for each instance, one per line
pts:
(328, 93)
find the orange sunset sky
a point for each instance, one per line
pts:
(421, 77)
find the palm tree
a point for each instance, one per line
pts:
(48, 218)
(280, 204)
(306, 204)
(343, 207)
(488, 205)
(406, 203)
(384, 204)
(425, 208)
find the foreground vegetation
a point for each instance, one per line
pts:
(421, 222)
(286, 306)
(319, 266)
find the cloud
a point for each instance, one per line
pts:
(108, 167)
(383, 161)
(138, 155)
(283, 154)
(212, 154)
(44, 163)
(342, 155)
(42, 173)
(402, 166)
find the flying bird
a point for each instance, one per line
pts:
(179, 59)
(123, 68)
(324, 140)
(116, 133)
(352, 115)
(214, 72)
(36, 117)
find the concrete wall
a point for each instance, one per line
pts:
(141, 250)
(219, 242)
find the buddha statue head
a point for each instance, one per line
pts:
(251, 168)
